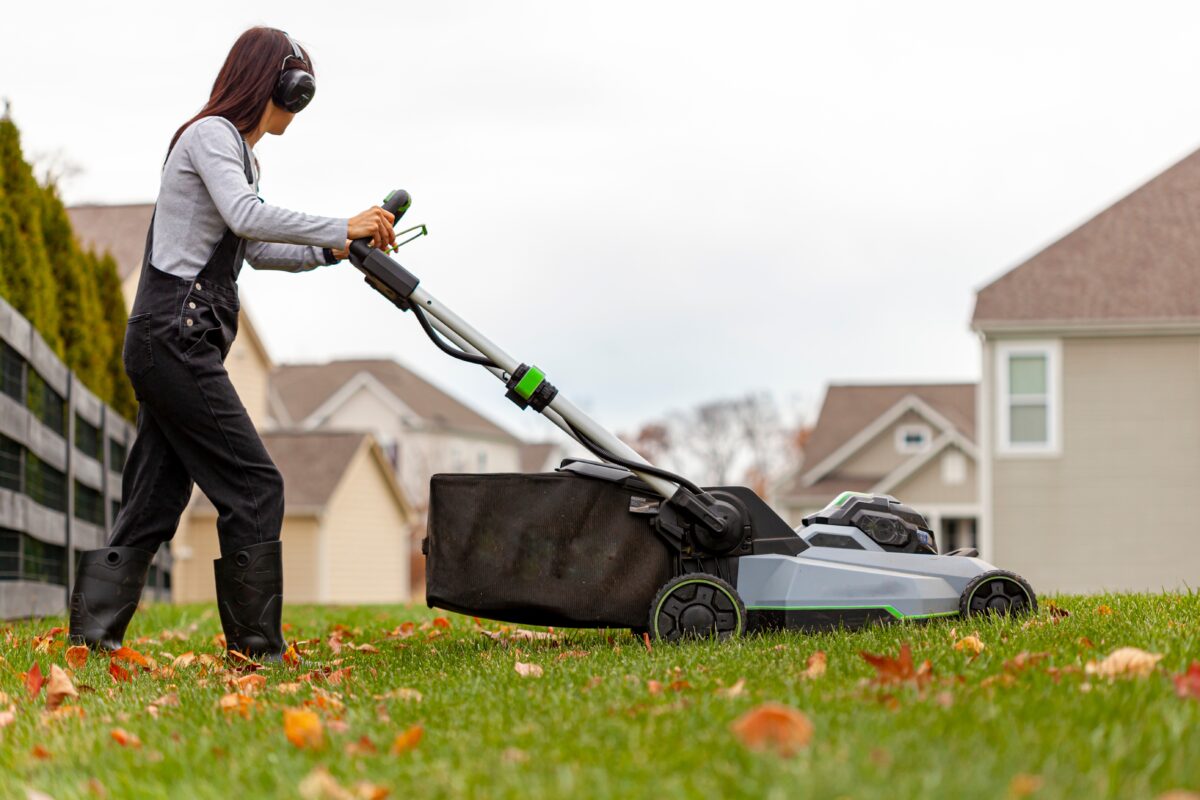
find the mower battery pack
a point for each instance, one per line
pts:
(554, 548)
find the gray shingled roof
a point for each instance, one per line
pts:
(121, 230)
(1137, 261)
(302, 388)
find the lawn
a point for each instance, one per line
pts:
(439, 709)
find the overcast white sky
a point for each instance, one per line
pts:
(659, 203)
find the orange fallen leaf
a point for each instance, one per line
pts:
(654, 687)
(320, 785)
(249, 684)
(134, 657)
(237, 704)
(815, 666)
(528, 670)
(117, 672)
(971, 645)
(1023, 785)
(679, 685)
(774, 727)
(58, 688)
(124, 738)
(1023, 660)
(407, 740)
(441, 622)
(1104, 611)
(890, 670)
(288, 688)
(1086, 642)
(77, 656)
(291, 657)
(1124, 662)
(303, 728)
(40, 753)
(646, 642)
(183, 660)
(34, 680)
(1187, 684)
(364, 790)
(736, 690)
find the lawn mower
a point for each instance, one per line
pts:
(621, 543)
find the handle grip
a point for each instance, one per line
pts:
(397, 202)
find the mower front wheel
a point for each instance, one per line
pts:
(998, 592)
(697, 606)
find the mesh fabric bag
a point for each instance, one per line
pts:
(545, 549)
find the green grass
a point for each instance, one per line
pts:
(590, 728)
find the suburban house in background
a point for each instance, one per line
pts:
(913, 441)
(326, 492)
(423, 429)
(1089, 403)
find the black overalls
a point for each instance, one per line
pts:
(191, 426)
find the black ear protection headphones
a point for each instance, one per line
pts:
(295, 87)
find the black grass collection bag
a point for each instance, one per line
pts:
(555, 548)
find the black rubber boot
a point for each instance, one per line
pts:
(250, 600)
(108, 585)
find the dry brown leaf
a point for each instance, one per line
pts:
(407, 740)
(320, 785)
(184, 660)
(250, 684)
(170, 700)
(367, 648)
(288, 688)
(58, 688)
(774, 727)
(76, 656)
(528, 670)
(34, 680)
(815, 666)
(736, 690)
(237, 704)
(1056, 612)
(365, 790)
(1023, 660)
(971, 645)
(1125, 662)
(890, 670)
(124, 738)
(291, 656)
(303, 728)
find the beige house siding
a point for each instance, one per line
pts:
(301, 566)
(365, 541)
(1110, 512)
(880, 456)
(927, 488)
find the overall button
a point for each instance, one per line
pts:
(198, 287)
(191, 305)
(189, 323)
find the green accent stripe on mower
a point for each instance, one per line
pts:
(890, 609)
(529, 382)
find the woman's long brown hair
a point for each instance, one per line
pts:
(247, 78)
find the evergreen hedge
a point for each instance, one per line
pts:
(72, 296)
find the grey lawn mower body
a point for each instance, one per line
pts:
(623, 543)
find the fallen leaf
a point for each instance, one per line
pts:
(134, 657)
(237, 704)
(1055, 611)
(303, 728)
(1124, 662)
(815, 666)
(167, 700)
(41, 753)
(367, 648)
(124, 738)
(363, 747)
(249, 684)
(288, 688)
(654, 687)
(407, 740)
(1086, 642)
(407, 695)
(1187, 684)
(335, 642)
(1023, 660)
(441, 622)
(58, 688)
(118, 673)
(528, 670)
(403, 630)
(972, 645)
(365, 790)
(1104, 611)
(735, 690)
(184, 660)
(1023, 785)
(338, 675)
(320, 785)
(34, 680)
(291, 656)
(76, 656)
(679, 685)
(646, 641)
(7, 718)
(774, 727)
(890, 670)
(219, 642)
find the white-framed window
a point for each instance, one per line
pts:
(1029, 398)
(913, 438)
(954, 468)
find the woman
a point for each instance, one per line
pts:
(191, 425)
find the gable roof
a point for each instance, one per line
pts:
(850, 409)
(121, 230)
(1135, 262)
(312, 464)
(302, 389)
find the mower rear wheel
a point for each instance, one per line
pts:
(697, 606)
(998, 592)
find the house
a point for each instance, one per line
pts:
(345, 530)
(423, 429)
(913, 441)
(1089, 403)
(310, 516)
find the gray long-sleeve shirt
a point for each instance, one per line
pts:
(204, 191)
